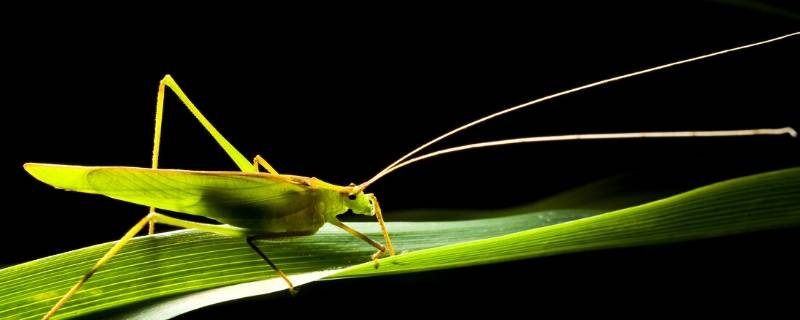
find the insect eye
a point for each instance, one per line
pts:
(351, 197)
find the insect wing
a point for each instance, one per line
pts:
(214, 194)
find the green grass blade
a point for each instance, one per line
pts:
(158, 272)
(755, 203)
(186, 261)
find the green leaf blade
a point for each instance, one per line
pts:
(164, 271)
(750, 204)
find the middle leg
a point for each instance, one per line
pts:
(251, 241)
(225, 230)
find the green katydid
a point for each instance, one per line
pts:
(256, 205)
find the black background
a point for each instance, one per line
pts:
(340, 94)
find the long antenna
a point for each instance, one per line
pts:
(559, 94)
(599, 136)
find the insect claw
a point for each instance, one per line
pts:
(376, 257)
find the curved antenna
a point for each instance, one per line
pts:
(562, 93)
(597, 136)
